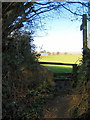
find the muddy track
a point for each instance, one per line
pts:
(61, 104)
(58, 107)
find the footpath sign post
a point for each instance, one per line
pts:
(88, 27)
(84, 28)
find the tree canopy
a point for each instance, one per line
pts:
(15, 14)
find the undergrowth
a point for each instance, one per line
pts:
(82, 110)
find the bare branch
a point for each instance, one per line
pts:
(71, 11)
(82, 3)
(46, 3)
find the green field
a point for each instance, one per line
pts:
(69, 58)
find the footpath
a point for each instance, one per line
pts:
(61, 104)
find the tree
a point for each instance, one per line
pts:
(58, 53)
(15, 14)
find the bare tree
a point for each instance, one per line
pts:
(15, 14)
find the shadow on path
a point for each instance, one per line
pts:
(60, 105)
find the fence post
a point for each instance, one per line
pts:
(75, 71)
(74, 75)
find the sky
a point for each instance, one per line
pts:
(62, 35)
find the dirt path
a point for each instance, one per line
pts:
(59, 106)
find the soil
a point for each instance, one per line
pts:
(60, 105)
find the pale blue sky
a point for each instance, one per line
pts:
(63, 35)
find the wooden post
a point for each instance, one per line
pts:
(84, 35)
(74, 75)
(88, 26)
(75, 71)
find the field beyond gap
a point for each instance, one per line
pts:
(69, 58)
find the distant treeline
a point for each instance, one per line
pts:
(57, 53)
